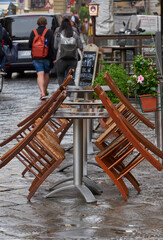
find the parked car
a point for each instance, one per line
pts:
(19, 28)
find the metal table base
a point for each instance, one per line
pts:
(80, 180)
(85, 192)
(78, 164)
(95, 189)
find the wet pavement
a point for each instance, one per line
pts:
(67, 215)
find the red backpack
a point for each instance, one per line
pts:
(39, 50)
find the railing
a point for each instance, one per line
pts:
(138, 39)
(138, 42)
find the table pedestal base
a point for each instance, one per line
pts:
(93, 187)
(60, 182)
(85, 192)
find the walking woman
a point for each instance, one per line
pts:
(66, 42)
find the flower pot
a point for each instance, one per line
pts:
(148, 103)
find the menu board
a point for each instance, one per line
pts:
(87, 68)
(88, 65)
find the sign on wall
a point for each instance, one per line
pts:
(21, 4)
(48, 5)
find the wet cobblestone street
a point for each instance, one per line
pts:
(67, 215)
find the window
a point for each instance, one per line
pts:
(38, 3)
(15, 25)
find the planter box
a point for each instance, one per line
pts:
(148, 103)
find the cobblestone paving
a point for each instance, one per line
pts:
(67, 216)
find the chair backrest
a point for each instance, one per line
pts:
(41, 111)
(44, 107)
(124, 100)
(27, 123)
(133, 136)
(20, 145)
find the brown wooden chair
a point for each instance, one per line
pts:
(60, 126)
(44, 107)
(112, 130)
(126, 109)
(38, 150)
(118, 159)
(28, 125)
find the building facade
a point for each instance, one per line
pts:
(61, 6)
(38, 6)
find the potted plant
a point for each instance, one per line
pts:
(144, 82)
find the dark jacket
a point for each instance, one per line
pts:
(4, 36)
(5, 39)
(49, 35)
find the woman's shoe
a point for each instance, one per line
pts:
(43, 97)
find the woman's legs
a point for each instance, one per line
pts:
(41, 82)
(61, 66)
(46, 78)
(42, 67)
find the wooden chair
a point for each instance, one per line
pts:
(126, 109)
(116, 159)
(112, 130)
(60, 126)
(38, 150)
(26, 128)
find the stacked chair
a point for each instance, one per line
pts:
(128, 148)
(38, 140)
(126, 109)
(60, 126)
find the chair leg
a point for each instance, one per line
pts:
(121, 188)
(37, 182)
(129, 177)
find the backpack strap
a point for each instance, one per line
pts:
(44, 32)
(35, 32)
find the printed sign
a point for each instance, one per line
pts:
(48, 5)
(21, 4)
(88, 65)
(150, 23)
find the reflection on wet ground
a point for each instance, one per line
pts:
(67, 216)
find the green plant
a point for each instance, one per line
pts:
(145, 80)
(84, 13)
(72, 8)
(118, 74)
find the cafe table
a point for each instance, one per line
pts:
(88, 146)
(87, 92)
(79, 114)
